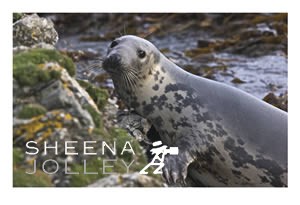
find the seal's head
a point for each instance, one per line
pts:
(130, 60)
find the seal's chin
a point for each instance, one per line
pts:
(112, 63)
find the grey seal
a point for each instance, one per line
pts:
(225, 136)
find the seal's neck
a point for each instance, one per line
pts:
(153, 88)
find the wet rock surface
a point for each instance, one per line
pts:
(222, 47)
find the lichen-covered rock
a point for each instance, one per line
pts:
(42, 127)
(32, 30)
(56, 96)
(50, 106)
(54, 126)
(128, 180)
(82, 95)
(62, 93)
(42, 45)
(64, 111)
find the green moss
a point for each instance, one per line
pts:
(93, 164)
(140, 158)
(29, 74)
(41, 56)
(31, 110)
(18, 156)
(99, 95)
(17, 16)
(121, 137)
(39, 179)
(83, 83)
(25, 66)
(21, 179)
(101, 134)
(95, 115)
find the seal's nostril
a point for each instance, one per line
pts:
(113, 44)
(111, 62)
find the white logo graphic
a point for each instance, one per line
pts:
(158, 160)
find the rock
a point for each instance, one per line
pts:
(237, 81)
(280, 101)
(135, 124)
(41, 127)
(204, 43)
(16, 90)
(256, 32)
(128, 180)
(42, 45)
(53, 126)
(70, 116)
(32, 30)
(58, 96)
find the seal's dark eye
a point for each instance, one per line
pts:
(113, 44)
(141, 53)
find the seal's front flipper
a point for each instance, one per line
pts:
(176, 167)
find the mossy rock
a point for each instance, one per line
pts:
(29, 75)
(21, 179)
(140, 158)
(31, 110)
(17, 16)
(83, 83)
(39, 179)
(92, 165)
(95, 116)
(121, 136)
(41, 56)
(18, 156)
(99, 95)
(95, 163)
(26, 66)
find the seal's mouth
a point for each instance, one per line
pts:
(112, 63)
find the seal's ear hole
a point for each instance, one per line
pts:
(113, 44)
(141, 53)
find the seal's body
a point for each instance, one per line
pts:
(225, 136)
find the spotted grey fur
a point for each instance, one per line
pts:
(225, 136)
